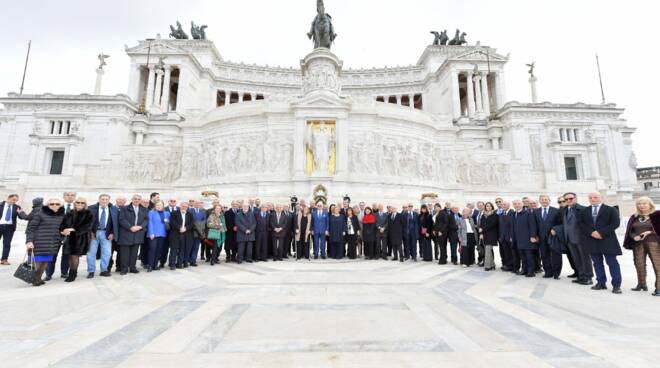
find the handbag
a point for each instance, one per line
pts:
(214, 234)
(26, 271)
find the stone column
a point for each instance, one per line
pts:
(532, 82)
(477, 91)
(240, 97)
(99, 78)
(227, 95)
(411, 101)
(593, 161)
(299, 149)
(501, 92)
(149, 98)
(495, 143)
(470, 94)
(159, 87)
(455, 94)
(484, 92)
(398, 100)
(165, 101)
(134, 83)
(341, 147)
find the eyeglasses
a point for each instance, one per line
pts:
(561, 202)
(77, 202)
(54, 204)
(569, 198)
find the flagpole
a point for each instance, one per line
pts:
(25, 68)
(600, 79)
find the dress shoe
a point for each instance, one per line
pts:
(530, 275)
(4, 262)
(208, 260)
(172, 268)
(616, 290)
(556, 277)
(90, 275)
(185, 265)
(442, 262)
(520, 273)
(134, 271)
(316, 257)
(149, 269)
(38, 282)
(480, 264)
(105, 274)
(576, 281)
(599, 287)
(454, 263)
(656, 292)
(640, 287)
(395, 259)
(572, 276)
(72, 276)
(401, 260)
(64, 275)
(249, 261)
(179, 266)
(123, 272)
(193, 264)
(48, 278)
(505, 268)
(323, 257)
(547, 276)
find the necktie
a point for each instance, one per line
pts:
(594, 213)
(102, 220)
(136, 214)
(545, 213)
(8, 214)
(68, 208)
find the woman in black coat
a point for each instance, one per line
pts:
(43, 236)
(352, 232)
(77, 229)
(425, 233)
(489, 233)
(337, 231)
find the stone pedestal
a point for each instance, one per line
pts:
(99, 78)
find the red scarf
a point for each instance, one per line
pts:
(369, 219)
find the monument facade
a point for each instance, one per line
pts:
(193, 121)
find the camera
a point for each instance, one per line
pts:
(294, 202)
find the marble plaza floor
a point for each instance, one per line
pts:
(325, 314)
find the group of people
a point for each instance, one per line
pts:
(532, 236)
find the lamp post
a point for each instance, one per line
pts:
(142, 108)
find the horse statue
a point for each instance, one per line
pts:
(178, 32)
(440, 38)
(197, 32)
(459, 38)
(322, 31)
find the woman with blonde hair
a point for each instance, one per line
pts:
(77, 229)
(217, 231)
(642, 238)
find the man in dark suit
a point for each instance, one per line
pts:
(181, 232)
(9, 211)
(569, 217)
(597, 225)
(104, 228)
(132, 228)
(246, 225)
(546, 217)
(506, 238)
(452, 233)
(411, 232)
(441, 233)
(199, 232)
(381, 231)
(395, 233)
(477, 214)
(525, 237)
(69, 198)
(262, 233)
(230, 242)
(278, 223)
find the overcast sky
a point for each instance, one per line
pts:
(561, 36)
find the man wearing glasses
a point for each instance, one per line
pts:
(569, 217)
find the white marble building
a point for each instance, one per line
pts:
(442, 125)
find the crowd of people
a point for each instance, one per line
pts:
(532, 236)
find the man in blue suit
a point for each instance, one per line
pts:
(525, 238)
(320, 218)
(9, 212)
(546, 218)
(410, 231)
(598, 224)
(262, 233)
(105, 229)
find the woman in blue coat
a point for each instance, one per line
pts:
(337, 231)
(157, 233)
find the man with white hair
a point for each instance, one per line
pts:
(525, 238)
(598, 224)
(277, 224)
